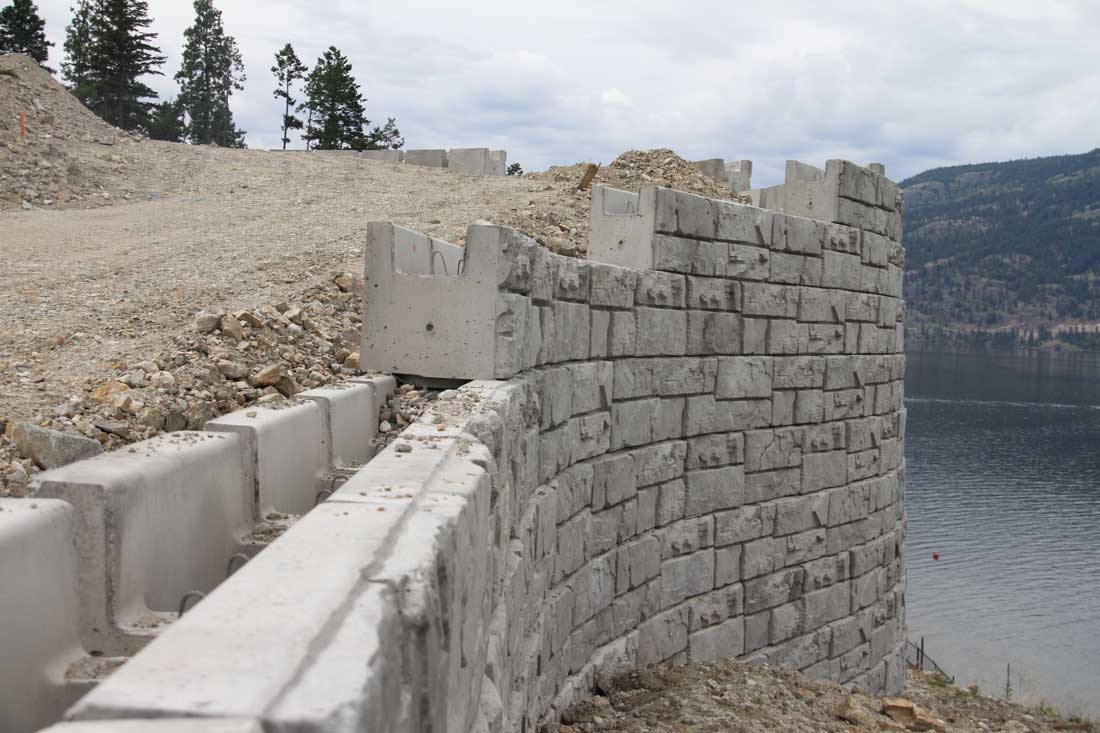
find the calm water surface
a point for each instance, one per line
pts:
(1004, 483)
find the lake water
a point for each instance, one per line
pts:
(1004, 483)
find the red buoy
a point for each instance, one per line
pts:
(935, 556)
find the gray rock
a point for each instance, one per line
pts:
(207, 322)
(50, 448)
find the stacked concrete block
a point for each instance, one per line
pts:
(286, 453)
(153, 522)
(843, 193)
(477, 161)
(700, 457)
(43, 667)
(350, 415)
(430, 158)
(736, 173)
(330, 627)
(386, 156)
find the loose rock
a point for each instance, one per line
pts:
(52, 448)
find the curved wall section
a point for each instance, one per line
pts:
(696, 460)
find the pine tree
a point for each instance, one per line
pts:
(78, 41)
(167, 121)
(121, 53)
(336, 116)
(288, 69)
(108, 50)
(211, 70)
(385, 137)
(22, 30)
(336, 105)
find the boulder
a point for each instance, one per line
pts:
(52, 448)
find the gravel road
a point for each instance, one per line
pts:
(82, 290)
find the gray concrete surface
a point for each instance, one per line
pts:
(152, 522)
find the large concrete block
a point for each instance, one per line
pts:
(43, 668)
(242, 650)
(446, 325)
(431, 158)
(153, 522)
(620, 227)
(288, 449)
(498, 163)
(388, 156)
(350, 412)
(469, 161)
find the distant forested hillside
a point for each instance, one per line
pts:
(1013, 244)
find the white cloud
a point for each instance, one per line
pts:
(909, 84)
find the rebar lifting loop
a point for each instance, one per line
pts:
(441, 259)
(198, 595)
(233, 558)
(321, 496)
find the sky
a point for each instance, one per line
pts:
(913, 85)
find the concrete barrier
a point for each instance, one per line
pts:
(40, 653)
(842, 193)
(335, 621)
(432, 158)
(618, 224)
(477, 161)
(387, 156)
(703, 458)
(449, 330)
(498, 163)
(287, 450)
(350, 411)
(154, 522)
(736, 173)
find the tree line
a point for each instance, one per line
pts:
(109, 49)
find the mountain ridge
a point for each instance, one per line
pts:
(1011, 245)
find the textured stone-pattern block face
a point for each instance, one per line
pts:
(748, 500)
(698, 460)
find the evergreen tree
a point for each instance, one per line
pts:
(167, 121)
(78, 41)
(336, 117)
(121, 53)
(22, 30)
(385, 137)
(108, 49)
(288, 69)
(211, 70)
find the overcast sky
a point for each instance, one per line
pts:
(911, 84)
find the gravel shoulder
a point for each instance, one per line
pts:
(84, 289)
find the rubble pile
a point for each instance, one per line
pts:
(734, 696)
(69, 156)
(224, 362)
(560, 220)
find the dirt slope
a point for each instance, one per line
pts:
(733, 697)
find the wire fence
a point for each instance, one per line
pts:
(916, 658)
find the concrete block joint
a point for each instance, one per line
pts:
(689, 446)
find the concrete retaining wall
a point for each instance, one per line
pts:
(468, 161)
(702, 458)
(736, 173)
(96, 562)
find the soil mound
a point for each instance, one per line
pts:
(560, 220)
(68, 155)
